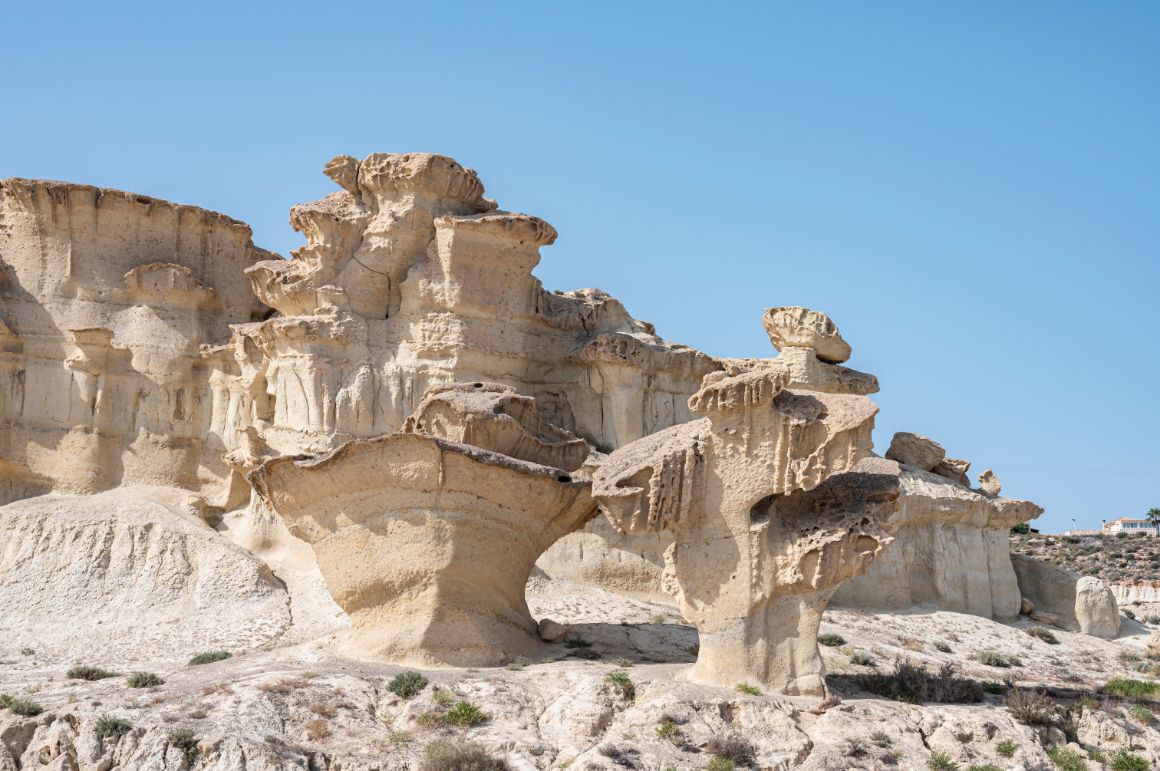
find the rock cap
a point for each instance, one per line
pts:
(796, 327)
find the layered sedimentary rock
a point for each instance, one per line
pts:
(427, 542)
(1073, 602)
(773, 498)
(411, 278)
(87, 572)
(951, 549)
(105, 300)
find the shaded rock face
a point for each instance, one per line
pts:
(773, 500)
(1076, 603)
(426, 542)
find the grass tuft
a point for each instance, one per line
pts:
(209, 657)
(915, 685)
(144, 680)
(831, 640)
(82, 672)
(443, 755)
(109, 727)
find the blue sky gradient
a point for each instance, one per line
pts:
(972, 191)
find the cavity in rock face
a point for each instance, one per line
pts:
(774, 499)
(427, 542)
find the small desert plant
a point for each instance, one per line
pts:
(185, 741)
(940, 761)
(983, 767)
(720, 764)
(109, 727)
(1142, 714)
(144, 680)
(1130, 614)
(990, 686)
(518, 664)
(317, 729)
(880, 739)
(24, 707)
(1043, 633)
(1122, 760)
(209, 657)
(914, 645)
(732, 748)
(442, 696)
(913, 684)
(942, 647)
(82, 672)
(1132, 689)
(748, 689)
(862, 659)
(997, 659)
(443, 755)
(1006, 748)
(831, 640)
(465, 713)
(407, 684)
(1031, 707)
(670, 731)
(577, 642)
(1066, 759)
(620, 680)
(27, 652)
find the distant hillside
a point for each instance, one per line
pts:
(1120, 558)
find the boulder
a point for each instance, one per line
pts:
(1066, 599)
(1026, 607)
(989, 483)
(550, 631)
(954, 469)
(915, 450)
(1095, 608)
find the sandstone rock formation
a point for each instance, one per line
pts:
(951, 552)
(105, 300)
(773, 499)
(1084, 604)
(427, 542)
(915, 450)
(85, 573)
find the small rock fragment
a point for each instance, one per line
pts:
(989, 483)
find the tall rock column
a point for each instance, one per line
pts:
(774, 499)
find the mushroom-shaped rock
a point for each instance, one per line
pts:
(795, 327)
(774, 499)
(426, 542)
(915, 450)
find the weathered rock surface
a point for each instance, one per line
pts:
(1078, 603)
(915, 450)
(951, 552)
(989, 483)
(796, 327)
(426, 542)
(773, 499)
(85, 573)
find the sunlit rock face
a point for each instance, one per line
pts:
(773, 499)
(426, 541)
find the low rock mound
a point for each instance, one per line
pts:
(128, 576)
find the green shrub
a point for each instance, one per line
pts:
(519, 663)
(990, 686)
(209, 657)
(1006, 748)
(983, 767)
(720, 764)
(407, 684)
(81, 672)
(24, 707)
(1021, 528)
(465, 713)
(1122, 760)
(1067, 760)
(1032, 707)
(109, 727)
(862, 659)
(997, 659)
(1132, 689)
(670, 731)
(913, 684)
(940, 761)
(620, 680)
(1142, 714)
(942, 647)
(444, 755)
(1043, 633)
(144, 680)
(748, 689)
(185, 741)
(1130, 614)
(831, 640)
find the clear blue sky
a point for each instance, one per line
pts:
(971, 190)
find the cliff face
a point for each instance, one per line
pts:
(106, 299)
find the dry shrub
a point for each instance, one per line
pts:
(913, 684)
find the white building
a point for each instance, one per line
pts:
(1129, 525)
